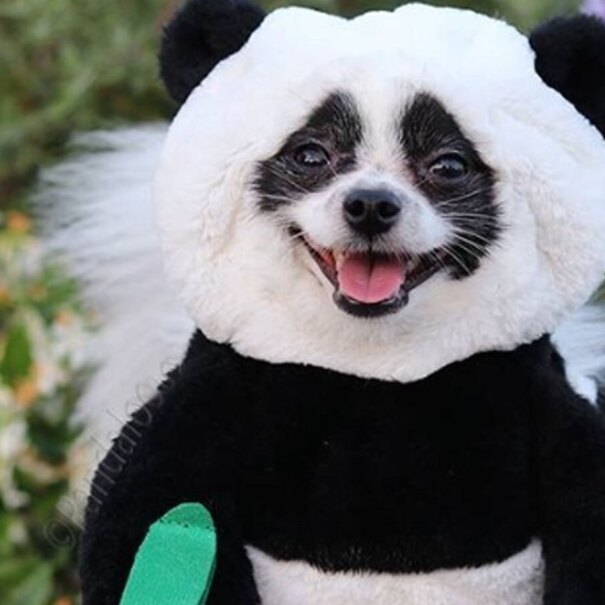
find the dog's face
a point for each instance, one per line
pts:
(381, 201)
(381, 196)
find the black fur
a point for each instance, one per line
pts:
(570, 57)
(336, 125)
(462, 468)
(202, 33)
(428, 130)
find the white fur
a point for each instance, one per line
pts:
(516, 581)
(242, 279)
(97, 214)
(581, 342)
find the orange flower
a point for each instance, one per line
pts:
(18, 222)
(64, 318)
(4, 296)
(26, 390)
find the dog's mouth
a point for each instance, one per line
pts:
(371, 284)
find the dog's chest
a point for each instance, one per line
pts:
(516, 581)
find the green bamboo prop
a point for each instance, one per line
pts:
(175, 564)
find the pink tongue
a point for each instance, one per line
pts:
(368, 279)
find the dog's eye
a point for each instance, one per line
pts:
(311, 155)
(450, 166)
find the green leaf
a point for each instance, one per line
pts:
(36, 588)
(18, 359)
(14, 571)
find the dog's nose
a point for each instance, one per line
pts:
(372, 211)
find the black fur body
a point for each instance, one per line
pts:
(463, 468)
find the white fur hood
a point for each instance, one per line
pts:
(239, 279)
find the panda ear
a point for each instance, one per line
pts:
(202, 33)
(570, 57)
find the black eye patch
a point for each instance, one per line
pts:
(449, 171)
(331, 133)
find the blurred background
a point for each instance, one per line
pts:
(65, 67)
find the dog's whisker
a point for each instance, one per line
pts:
(460, 198)
(450, 252)
(472, 235)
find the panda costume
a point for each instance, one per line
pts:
(377, 225)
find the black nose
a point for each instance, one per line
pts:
(372, 211)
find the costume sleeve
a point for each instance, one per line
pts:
(180, 447)
(570, 464)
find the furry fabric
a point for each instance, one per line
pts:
(239, 274)
(199, 36)
(570, 57)
(461, 470)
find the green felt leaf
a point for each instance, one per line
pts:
(175, 564)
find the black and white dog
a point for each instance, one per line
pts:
(377, 225)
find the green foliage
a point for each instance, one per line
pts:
(68, 66)
(16, 360)
(72, 66)
(42, 332)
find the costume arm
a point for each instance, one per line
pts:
(178, 448)
(570, 458)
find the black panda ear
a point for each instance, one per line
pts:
(202, 33)
(570, 57)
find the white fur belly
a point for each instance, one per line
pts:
(516, 581)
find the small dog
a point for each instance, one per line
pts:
(377, 225)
